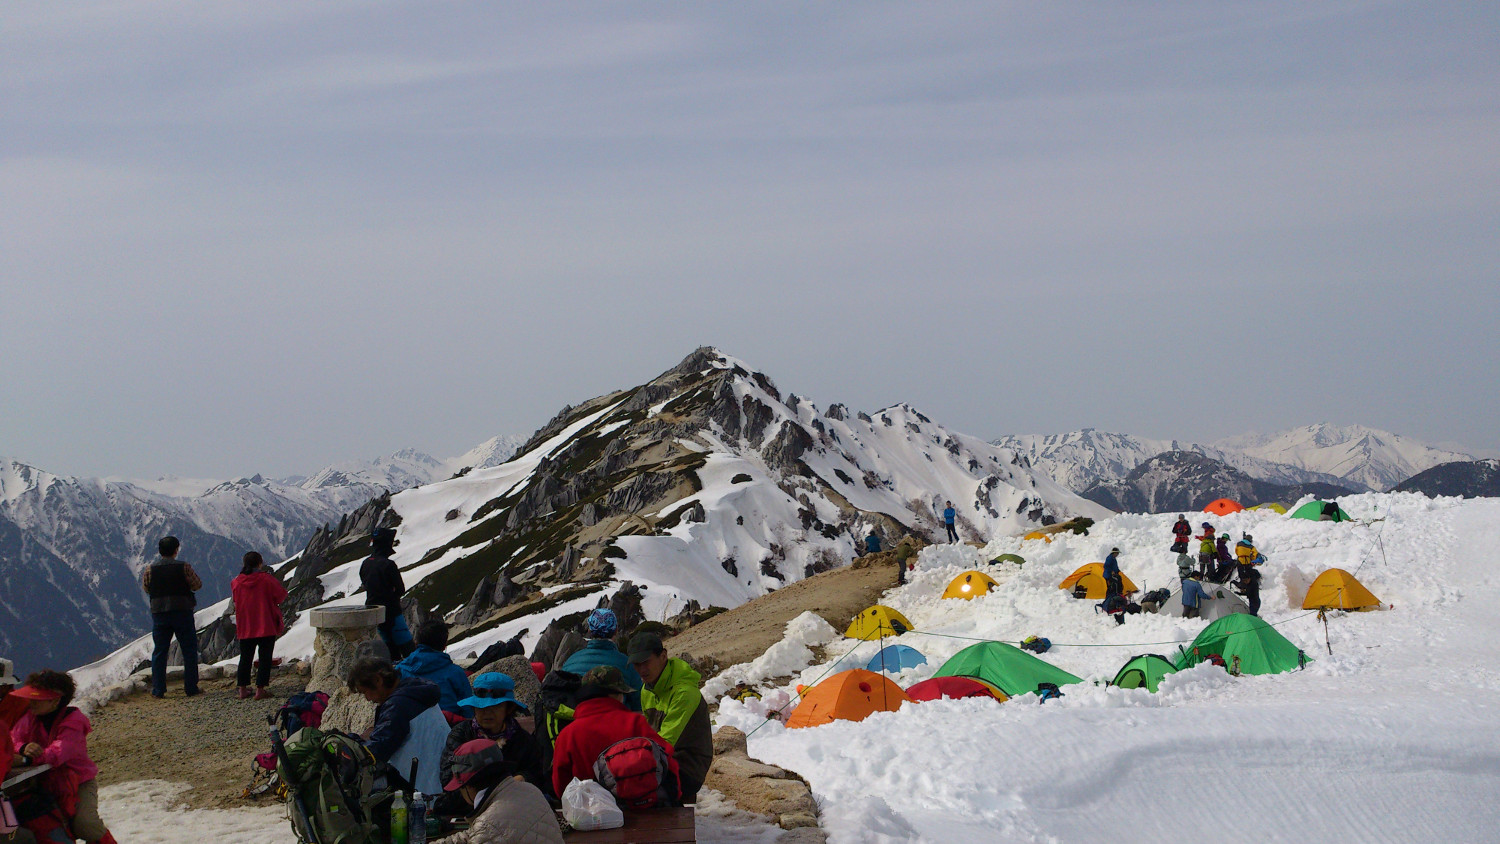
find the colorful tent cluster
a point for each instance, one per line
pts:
(877, 622)
(847, 696)
(1223, 506)
(1006, 667)
(937, 688)
(970, 584)
(1143, 671)
(895, 659)
(1338, 589)
(1321, 511)
(1259, 648)
(1091, 578)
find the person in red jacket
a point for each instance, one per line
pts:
(599, 720)
(257, 621)
(55, 733)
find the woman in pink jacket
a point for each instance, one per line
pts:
(54, 733)
(257, 621)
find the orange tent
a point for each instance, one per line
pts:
(1091, 577)
(1223, 507)
(847, 696)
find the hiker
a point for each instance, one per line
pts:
(408, 721)
(430, 662)
(1223, 558)
(599, 720)
(674, 705)
(54, 733)
(495, 707)
(1193, 595)
(872, 543)
(504, 648)
(599, 628)
(383, 586)
(1206, 550)
(504, 810)
(11, 710)
(1113, 584)
(1244, 551)
(1184, 566)
(904, 554)
(171, 585)
(1250, 587)
(257, 597)
(1180, 533)
(950, 517)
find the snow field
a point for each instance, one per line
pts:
(1390, 738)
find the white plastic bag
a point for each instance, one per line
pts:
(588, 805)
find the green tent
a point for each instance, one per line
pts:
(1144, 670)
(1010, 558)
(1313, 512)
(1260, 648)
(1006, 667)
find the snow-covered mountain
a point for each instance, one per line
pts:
(705, 487)
(1081, 459)
(1468, 479)
(1377, 459)
(73, 547)
(1187, 480)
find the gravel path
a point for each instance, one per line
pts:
(208, 742)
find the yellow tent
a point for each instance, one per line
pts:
(1337, 589)
(1271, 505)
(970, 584)
(1091, 577)
(1036, 534)
(877, 622)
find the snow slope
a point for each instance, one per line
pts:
(1390, 738)
(1374, 458)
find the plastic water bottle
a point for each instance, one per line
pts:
(399, 826)
(416, 820)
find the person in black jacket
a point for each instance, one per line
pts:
(495, 710)
(382, 582)
(1250, 587)
(171, 584)
(408, 721)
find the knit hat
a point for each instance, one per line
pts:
(602, 623)
(471, 759)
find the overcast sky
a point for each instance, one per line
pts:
(240, 237)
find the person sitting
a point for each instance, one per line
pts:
(495, 707)
(408, 721)
(599, 720)
(505, 810)
(1193, 596)
(600, 650)
(54, 733)
(673, 704)
(429, 661)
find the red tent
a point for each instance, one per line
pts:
(953, 687)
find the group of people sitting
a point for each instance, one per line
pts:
(504, 766)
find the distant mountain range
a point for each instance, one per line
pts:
(1464, 479)
(1188, 480)
(71, 549)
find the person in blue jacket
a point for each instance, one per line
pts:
(600, 650)
(1193, 595)
(430, 662)
(408, 721)
(950, 518)
(1113, 584)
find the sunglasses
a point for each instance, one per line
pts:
(489, 693)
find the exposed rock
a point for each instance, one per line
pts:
(590, 515)
(759, 788)
(333, 657)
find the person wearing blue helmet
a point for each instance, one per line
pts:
(495, 709)
(600, 628)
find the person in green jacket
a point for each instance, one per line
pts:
(676, 708)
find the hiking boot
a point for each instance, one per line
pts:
(244, 692)
(193, 693)
(262, 693)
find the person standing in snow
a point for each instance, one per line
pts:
(1223, 558)
(950, 519)
(257, 621)
(1193, 596)
(600, 650)
(1184, 566)
(1113, 584)
(1250, 587)
(674, 706)
(1206, 550)
(1244, 551)
(430, 661)
(1180, 534)
(904, 554)
(171, 584)
(382, 582)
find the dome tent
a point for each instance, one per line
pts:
(938, 688)
(1006, 667)
(847, 696)
(877, 622)
(970, 584)
(1143, 671)
(1221, 601)
(1091, 578)
(1261, 650)
(1010, 558)
(1274, 506)
(895, 659)
(1223, 506)
(1321, 511)
(1338, 589)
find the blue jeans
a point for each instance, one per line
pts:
(165, 625)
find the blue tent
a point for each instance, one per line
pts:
(896, 658)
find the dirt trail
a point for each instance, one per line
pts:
(207, 741)
(745, 632)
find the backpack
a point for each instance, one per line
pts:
(1036, 644)
(340, 794)
(304, 709)
(637, 772)
(554, 703)
(1047, 691)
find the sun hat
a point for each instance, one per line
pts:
(492, 689)
(471, 759)
(34, 693)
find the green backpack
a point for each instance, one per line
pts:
(340, 794)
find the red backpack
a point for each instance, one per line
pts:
(637, 772)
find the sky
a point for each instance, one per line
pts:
(262, 237)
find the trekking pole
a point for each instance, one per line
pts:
(305, 829)
(1323, 617)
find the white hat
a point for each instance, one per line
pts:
(8, 673)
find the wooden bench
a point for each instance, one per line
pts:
(23, 779)
(655, 826)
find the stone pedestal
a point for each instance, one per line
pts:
(345, 635)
